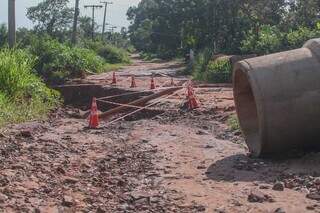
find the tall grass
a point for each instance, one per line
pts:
(23, 95)
(205, 69)
(111, 53)
(58, 62)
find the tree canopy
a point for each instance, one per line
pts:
(170, 26)
(51, 16)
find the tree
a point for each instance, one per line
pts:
(51, 16)
(177, 25)
(3, 35)
(85, 27)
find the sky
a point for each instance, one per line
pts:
(116, 12)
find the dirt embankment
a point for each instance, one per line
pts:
(170, 161)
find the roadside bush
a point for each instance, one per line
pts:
(200, 63)
(296, 38)
(110, 53)
(233, 123)
(219, 71)
(113, 55)
(23, 95)
(3, 35)
(57, 62)
(268, 40)
(148, 56)
(204, 69)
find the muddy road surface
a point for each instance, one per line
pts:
(167, 159)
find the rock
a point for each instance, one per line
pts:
(220, 210)
(67, 201)
(278, 186)
(237, 133)
(201, 167)
(202, 132)
(305, 190)
(60, 170)
(208, 147)
(144, 141)
(25, 134)
(3, 198)
(200, 208)
(317, 181)
(310, 208)
(279, 210)
(70, 180)
(101, 210)
(264, 187)
(289, 184)
(259, 197)
(313, 196)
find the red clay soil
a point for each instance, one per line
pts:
(171, 161)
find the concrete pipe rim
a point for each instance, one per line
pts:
(247, 97)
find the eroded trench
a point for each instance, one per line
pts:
(80, 96)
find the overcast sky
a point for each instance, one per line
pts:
(116, 14)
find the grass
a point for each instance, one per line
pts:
(112, 67)
(23, 95)
(233, 123)
(17, 112)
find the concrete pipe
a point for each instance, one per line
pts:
(278, 100)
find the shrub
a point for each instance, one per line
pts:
(219, 71)
(113, 54)
(296, 38)
(110, 53)
(268, 40)
(23, 95)
(3, 35)
(200, 63)
(233, 123)
(57, 62)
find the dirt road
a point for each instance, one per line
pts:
(169, 160)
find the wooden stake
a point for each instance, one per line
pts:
(139, 102)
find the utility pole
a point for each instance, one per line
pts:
(105, 15)
(11, 23)
(75, 23)
(112, 28)
(112, 31)
(93, 8)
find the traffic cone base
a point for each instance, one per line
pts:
(94, 117)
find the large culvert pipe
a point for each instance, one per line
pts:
(278, 100)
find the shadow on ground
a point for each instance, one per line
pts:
(241, 168)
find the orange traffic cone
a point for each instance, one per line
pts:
(192, 102)
(94, 117)
(152, 86)
(114, 79)
(133, 82)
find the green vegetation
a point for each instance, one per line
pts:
(205, 69)
(113, 55)
(233, 123)
(23, 95)
(171, 28)
(44, 54)
(58, 62)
